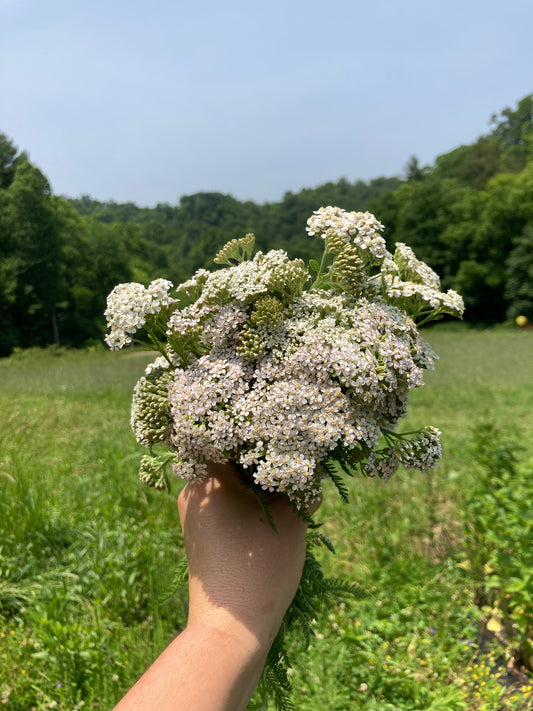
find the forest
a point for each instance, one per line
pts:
(469, 216)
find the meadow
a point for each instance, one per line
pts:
(88, 555)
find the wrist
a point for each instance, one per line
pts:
(238, 659)
(233, 633)
(251, 641)
(253, 626)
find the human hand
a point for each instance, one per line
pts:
(243, 575)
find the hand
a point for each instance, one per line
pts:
(243, 576)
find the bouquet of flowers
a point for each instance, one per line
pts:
(295, 373)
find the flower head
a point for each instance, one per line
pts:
(358, 228)
(280, 378)
(128, 306)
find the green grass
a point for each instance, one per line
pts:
(87, 553)
(480, 374)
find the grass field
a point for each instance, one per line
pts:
(87, 553)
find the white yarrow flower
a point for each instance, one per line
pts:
(128, 306)
(280, 379)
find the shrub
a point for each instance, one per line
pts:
(499, 528)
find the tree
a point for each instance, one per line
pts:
(503, 211)
(513, 131)
(413, 170)
(473, 165)
(94, 258)
(519, 284)
(419, 213)
(30, 253)
(9, 158)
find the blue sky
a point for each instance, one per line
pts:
(148, 101)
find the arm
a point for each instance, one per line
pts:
(242, 578)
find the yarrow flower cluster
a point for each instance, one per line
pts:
(359, 228)
(284, 370)
(293, 373)
(407, 279)
(129, 306)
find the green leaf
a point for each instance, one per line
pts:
(314, 266)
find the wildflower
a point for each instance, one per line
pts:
(422, 451)
(128, 305)
(414, 270)
(281, 376)
(360, 229)
(150, 411)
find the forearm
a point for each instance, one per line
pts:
(243, 575)
(205, 668)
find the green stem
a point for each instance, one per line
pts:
(321, 267)
(431, 316)
(158, 346)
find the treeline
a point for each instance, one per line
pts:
(470, 216)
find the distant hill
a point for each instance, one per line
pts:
(470, 216)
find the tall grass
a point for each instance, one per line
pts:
(87, 554)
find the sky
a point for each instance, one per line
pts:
(148, 101)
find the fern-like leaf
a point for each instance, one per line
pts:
(180, 577)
